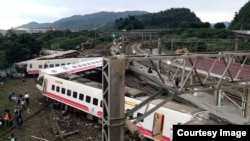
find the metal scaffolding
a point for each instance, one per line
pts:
(114, 84)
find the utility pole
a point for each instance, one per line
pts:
(150, 44)
(159, 53)
(113, 119)
(236, 42)
(123, 44)
(142, 38)
(172, 45)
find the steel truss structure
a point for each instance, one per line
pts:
(187, 69)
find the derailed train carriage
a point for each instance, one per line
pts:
(86, 45)
(87, 97)
(32, 66)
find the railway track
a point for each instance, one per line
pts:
(99, 50)
(139, 83)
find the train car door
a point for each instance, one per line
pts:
(45, 86)
(158, 123)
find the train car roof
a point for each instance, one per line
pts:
(172, 105)
(83, 65)
(58, 54)
(52, 56)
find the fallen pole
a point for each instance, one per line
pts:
(39, 138)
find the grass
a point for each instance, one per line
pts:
(16, 85)
(5, 88)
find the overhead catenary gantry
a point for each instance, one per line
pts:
(114, 118)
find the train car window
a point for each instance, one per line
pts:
(101, 103)
(62, 64)
(53, 87)
(54, 71)
(88, 63)
(68, 92)
(40, 66)
(57, 65)
(40, 80)
(75, 94)
(74, 66)
(79, 65)
(64, 68)
(88, 99)
(45, 66)
(81, 96)
(30, 65)
(139, 114)
(68, 63)
(57, 89)
(84, 64)
(95, 101)
(51, 65)
(63, 91)
(131, 116)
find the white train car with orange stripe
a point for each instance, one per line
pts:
(59, 58)
(87, 97)
(82, 64)
(33, 67)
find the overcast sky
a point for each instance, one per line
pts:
(14, 13)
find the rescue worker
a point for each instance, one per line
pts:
(7, 118)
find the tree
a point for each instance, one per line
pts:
(206, 25)
(30, 42)
(220, 25)
(128, 23)
(184, 25)
(16, 52)
(241, 19)
(3, 62)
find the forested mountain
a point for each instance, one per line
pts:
(84, 22)
(242, 19)
(34, 25)
(170, 18)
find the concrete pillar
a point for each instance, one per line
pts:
(159, 52)
(113, 83)
(247, 108)
(216, 96)
(192, 78)
(150, 45)
(236, 43)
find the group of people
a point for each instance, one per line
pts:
(8, 121)
(11, 138)
(21, 102)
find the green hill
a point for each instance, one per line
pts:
(241, 19)
(169, 18)
(84, 22)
